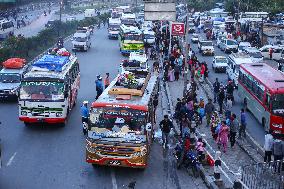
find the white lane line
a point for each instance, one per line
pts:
(11, 159)
(113, 180)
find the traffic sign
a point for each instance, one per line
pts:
(177, 28)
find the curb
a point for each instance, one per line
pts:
(249, 138)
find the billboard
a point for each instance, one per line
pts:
(165, 11)
(178, 28)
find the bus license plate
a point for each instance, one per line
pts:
(114, 163)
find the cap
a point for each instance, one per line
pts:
(85, 102)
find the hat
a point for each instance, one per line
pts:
(85, 102)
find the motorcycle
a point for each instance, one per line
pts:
(60, 43)
(189, 160)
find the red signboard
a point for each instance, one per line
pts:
(178, 28)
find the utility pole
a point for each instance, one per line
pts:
(60, 16)
(186, 49)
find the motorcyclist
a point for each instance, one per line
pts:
(60, 43)
(230, 90)
(85, 115)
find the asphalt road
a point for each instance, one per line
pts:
(253, 126)
(54, 157)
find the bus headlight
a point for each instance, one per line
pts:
(141, 153)
(24, 113)
(91, 149)
(58, 114)
(277, 125)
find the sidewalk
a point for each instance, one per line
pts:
(234, 158)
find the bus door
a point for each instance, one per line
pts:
(268, 110)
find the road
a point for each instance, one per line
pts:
(253, 126)
(54, 157)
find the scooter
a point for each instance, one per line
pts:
(60, 43)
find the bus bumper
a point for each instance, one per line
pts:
(130, 51)
(42, 120)
(115, 162)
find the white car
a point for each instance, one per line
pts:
(254, 54)
(243, 45)
(228, 45)
(277, 51)
(195, 38)
(206, 47)
(220, 64)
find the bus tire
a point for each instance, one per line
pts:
(263, 122)
(27, 124)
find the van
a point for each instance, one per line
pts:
(234, 62)
(254, 54)
(81, 41)
(229, 45)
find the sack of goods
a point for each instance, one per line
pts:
(14, 63)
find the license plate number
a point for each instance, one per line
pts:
(114, 163)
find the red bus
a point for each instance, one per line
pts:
(262, 91)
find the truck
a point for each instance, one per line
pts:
(81, 40)
(89, 13)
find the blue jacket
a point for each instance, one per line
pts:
(84, 112)
(243, 118)
(99, 85)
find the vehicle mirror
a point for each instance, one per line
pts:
(148, 127)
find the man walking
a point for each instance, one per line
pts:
(106, 81)
(85, 115)
(155, 104)
(216, 87)
(209, 108)
(221, 97)
(243, 124)
(99, 86)
(234, 127)
(268, 143)
(166, 126)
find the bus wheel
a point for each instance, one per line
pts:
(263, 122)
(26, 124)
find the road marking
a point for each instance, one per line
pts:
(113, 179)
(11, 159)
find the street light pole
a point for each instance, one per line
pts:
(60, 16)
(186, 50)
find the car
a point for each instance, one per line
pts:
(219, 39)
(243, 45)
(254, 54)
(50, 24)
(277, 51)
(191, 27)
(206, 47)
(220, 64)
(228, 45)
(195, 38)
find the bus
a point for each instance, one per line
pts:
(128, 19)
(261, 89)
(120, 125)
(6, 29)
(49, 90)
(130, 40)
(113, 27)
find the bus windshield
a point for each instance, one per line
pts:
(128, 21)
(42, 90)
(80, 39)
(132, 37)
(129, 119)
(277, 104)
(10, 78)
(113, 27)
(231, 42)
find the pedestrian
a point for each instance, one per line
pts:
(171, 74)
(234, 127)
(268, 143)
(216, 87)
(184, 125)
(99, 86)
(200, 148)
(176, 72)
(243, 124)
(221, 97)
(155, 104)
(177, 109)
(85, 115)
(106, 81)
(270, 51)
(223, 135)
(209, 109)
(278, 149)
(166, 125)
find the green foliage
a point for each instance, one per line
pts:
(30, 47)
(201, 5)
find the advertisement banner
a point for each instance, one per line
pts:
(178, 28)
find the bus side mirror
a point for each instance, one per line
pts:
(149, 127)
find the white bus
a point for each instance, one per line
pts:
(49, 90)
(6, 29)
(128, 19)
